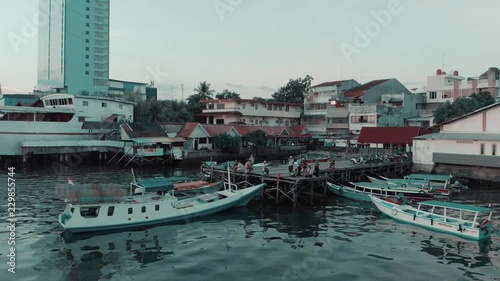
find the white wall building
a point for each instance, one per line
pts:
(470, 140)
(362, 115)
(251, 112)
(443, 87)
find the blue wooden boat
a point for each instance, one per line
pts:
(442, 217)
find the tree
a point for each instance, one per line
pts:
(227, 143)
(462, 106)
(203, 92)
(294, 90)
(176, 111)
(259, 99)
(226, 94)
(257, 139)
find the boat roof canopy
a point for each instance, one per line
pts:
(429, 177)
(456, 206)
(156, 184)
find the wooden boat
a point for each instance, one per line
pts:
(362, 192)
(442, 217)
(182, 185)
(312, 158)
(150, 209)
(431, 180)
(403, 183)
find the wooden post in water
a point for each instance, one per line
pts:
(277, 186)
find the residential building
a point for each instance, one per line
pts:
(200, 136)
(251, 112)
(322, 97)
(469, 145)
(371, 92)
(337, 120)
(443, 87)
(73, 47)
(124, 89)
(362, 115)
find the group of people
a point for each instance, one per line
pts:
(248, 167)
(301, 168)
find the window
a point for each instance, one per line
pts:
(87, 33)
(88, 1)
(130, 210)
(243, 106)
(70, 101)
(87, 25)
(81, 119)
(256, 106)
(87, 16)
(104, 104)
(87, 64)
(86, 73)
(482, 149)
(143, 209)
(202, 140)
(87, 40)
(220, 106)
(120, 106)
(88, 9)
(85, 103)
(157, 207)
(287, 108)
(432, 95)
(87, 48)
(219, 121)
(111, 210)
(86, 56)
(494, 149)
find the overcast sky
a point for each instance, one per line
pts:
(255, 46)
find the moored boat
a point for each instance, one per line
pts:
(182, 185)
(151, 209)
(445, 220)
(404, 183)
(361, 192)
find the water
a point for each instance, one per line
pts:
(342, 240)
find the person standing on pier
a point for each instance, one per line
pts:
(316, 169)
(248, 166)
(251, 159)
(235, 166)
(265, 168)
(291, 161)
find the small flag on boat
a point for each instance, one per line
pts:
(70, 181)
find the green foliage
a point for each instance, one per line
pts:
(257, 139)
(226, 94)
(294, 90)
(259, 99)
(462, 106)
(202, 92)
(162, 111)
(227, 143)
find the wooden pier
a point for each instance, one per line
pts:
(283, 187)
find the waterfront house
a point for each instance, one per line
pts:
(443, 87)
(251, 112)
(321, 104)
(388, 138)
(467, 145)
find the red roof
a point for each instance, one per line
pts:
(187, 130)
(354, 94)
(366, 86)
(329, 84)
(214, 130)
(389, 135)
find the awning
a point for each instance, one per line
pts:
(95, 125)
(112, 118)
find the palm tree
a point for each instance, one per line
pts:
(203, 91)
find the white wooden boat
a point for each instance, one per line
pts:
(150, 209)
(457, 219)
(362, 192)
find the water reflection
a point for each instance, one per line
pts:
(89, 254)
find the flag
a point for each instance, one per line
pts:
(70, 181)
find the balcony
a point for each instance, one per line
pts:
(222, 110)
(337, 126)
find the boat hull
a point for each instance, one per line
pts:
(348, 193)
(168, 212)
(404, 214)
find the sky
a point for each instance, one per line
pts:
(253, 47)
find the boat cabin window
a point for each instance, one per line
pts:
(70, 101)
(89, 212)
(143, 209)
(111, 210)
(157, 207)
(130, 211)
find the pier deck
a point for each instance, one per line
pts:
(282, 186)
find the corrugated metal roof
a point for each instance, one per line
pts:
(461, 136)
(388, 135)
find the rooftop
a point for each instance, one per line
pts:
(250, 101)
(389, 135)
(330, 84)
(367, 86)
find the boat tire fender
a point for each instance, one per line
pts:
(421, 192)
(432, 221)
(394, 211)
(341, 190)
(414, 217)
(403, 185)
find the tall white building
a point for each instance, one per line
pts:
(73, 46)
